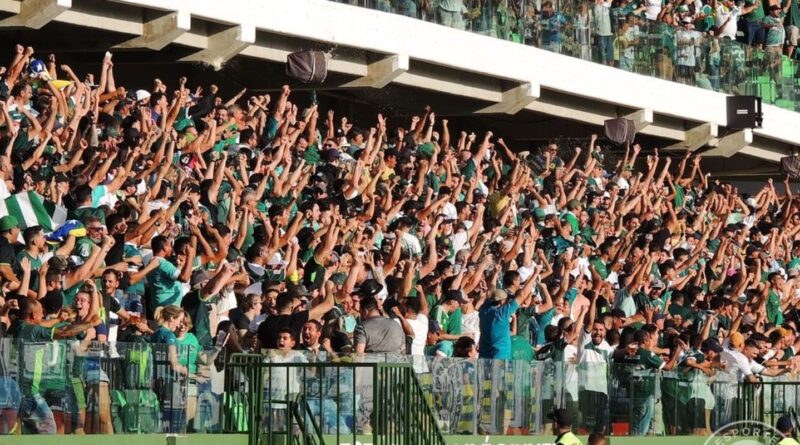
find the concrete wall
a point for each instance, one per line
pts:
(327, 21)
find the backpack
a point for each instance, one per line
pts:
(138, 366)
(142, 412)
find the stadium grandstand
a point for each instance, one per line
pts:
(399, 221)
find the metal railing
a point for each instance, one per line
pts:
(314, 403)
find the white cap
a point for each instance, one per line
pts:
(142, 95)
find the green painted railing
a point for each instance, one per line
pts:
(281, 399)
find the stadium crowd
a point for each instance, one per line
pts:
(200, 224)
(739, 47)
(775, 23)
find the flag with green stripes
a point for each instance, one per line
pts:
(30, 209)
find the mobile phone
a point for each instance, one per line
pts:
(222, 338)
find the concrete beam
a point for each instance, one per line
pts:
(37, 13)
(731, 144)
(696, 137)
(382, 72)
(160, 32)
(224, 45)
(641, 118)
(515, 99)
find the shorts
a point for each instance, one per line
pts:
(685, 71)
(792, 35)
(93, 397)
(56, 399)
(35, 416)
(774, 54)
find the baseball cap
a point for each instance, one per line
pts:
(369, 288)
(736, 340)
(332, 154)
(298, 291)
(499, 295)
(8, 222)
(142, 95)
(433, 326)
(561, 416)
(199, 277)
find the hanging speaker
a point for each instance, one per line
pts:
(744, 112)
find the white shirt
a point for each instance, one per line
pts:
(652, 9)
(730, 28)
(460, 240)
(470, 324)
(736, 364)
(420, 327)
(593, 363)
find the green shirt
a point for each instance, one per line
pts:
(756, 14)
(33, 354)
(521, 349)
(469, 169)
(599, 266)
(644, 379)
(81, 213)
(691, 380)
(188, 349)
(776, 34)
(84, 247)
(774, 314)
(164, 284)
(164, 336)
(793, 18)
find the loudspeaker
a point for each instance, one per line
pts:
(307, 66)
(620, 130)
(744, 112)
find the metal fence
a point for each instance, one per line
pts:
(133, 388)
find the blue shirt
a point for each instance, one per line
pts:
(495, 327)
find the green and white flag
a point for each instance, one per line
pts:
(30, 209)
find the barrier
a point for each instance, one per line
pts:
(133, 388)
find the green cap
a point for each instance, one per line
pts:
(539, 214)
(7, 223)
(426, 150)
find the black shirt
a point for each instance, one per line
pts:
(7, 253)
(239, 319)
(313, 275)
(268, 330)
